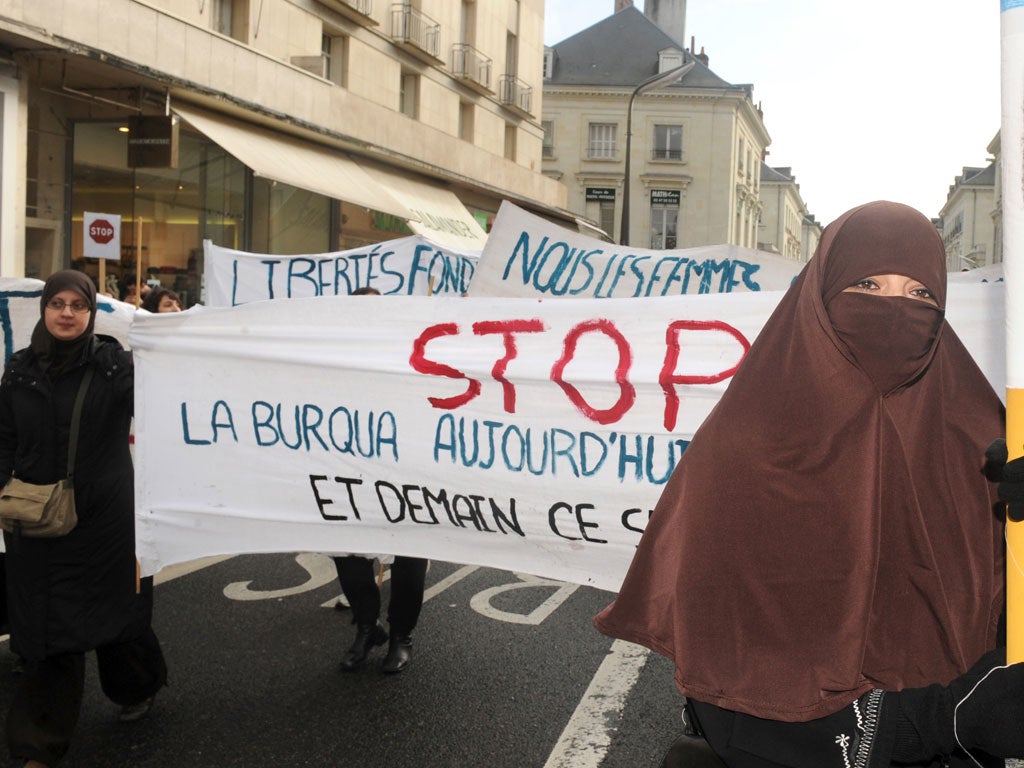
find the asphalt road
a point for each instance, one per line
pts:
(505, 673)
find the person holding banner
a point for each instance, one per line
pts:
(161, 300)
(826, 564)
(78, 592)
(408, 577)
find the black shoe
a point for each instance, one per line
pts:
(367, 636)
(399, 654)
(132, 712)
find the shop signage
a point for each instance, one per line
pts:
(665, 197)
(601, 194)
(101, 236)
(153, 141)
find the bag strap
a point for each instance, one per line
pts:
(76, 418)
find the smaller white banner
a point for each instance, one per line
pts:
(408, 266)
(527, 256)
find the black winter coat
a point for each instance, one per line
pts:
(76, 592)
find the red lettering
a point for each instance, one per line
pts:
(421, 364)
(668, 378)
(507, 328)
(627, 393)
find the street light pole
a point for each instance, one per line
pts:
(657, 81)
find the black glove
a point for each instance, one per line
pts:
(1009, 475)
(985, 706)
(989, 711)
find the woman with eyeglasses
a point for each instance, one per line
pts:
(78, 592)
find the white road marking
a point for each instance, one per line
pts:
(481, 601)
(588, 734)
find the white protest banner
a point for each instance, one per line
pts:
(989, 273)
(526, 255)
(520, 434)
(19, 313)
(410, 266)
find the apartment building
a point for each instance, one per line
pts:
(279, 126)
(695, 145)
(968, 226)
(783, 227)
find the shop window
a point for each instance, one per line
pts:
(165, 212)
(664, 220)
(289, 220)
(606, 218)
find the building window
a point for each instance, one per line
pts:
(668, 142)
(408, 94)
(548, 147)
(601, 141)
(510, 141)
(669, 59)
(334, 49)
(231, 18)
(664, 218)
(549, 63)
(466, 120)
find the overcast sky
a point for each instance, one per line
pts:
(879, 99)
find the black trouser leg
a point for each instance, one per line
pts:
(360, 588)
(45, 708)
(131, 672)
(408, 575)
(3, 594)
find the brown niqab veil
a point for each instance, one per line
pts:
(829, 529)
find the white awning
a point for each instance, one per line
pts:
(294, 161)
(437, 213)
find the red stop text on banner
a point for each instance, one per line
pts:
(672, 375)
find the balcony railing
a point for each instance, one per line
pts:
(360, 11)
(513, 92)
(666, 154)
(414, 28)
(602, 152)
(365, 7)
(469, 64)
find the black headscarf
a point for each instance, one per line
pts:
(56, 356)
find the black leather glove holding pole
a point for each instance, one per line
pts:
(981, 712)
(1009, 475)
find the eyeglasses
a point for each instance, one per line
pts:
(57, 305)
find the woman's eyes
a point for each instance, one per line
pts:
(866, 285)
(923, 293)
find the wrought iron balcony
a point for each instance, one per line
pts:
(666, 154)
(360, 11)
(471, 65)
(415, 31)
(513, 92)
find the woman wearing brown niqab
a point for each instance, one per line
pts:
(828, 538)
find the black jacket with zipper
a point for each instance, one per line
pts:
(76, 592)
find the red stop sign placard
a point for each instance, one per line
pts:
(101, 231)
